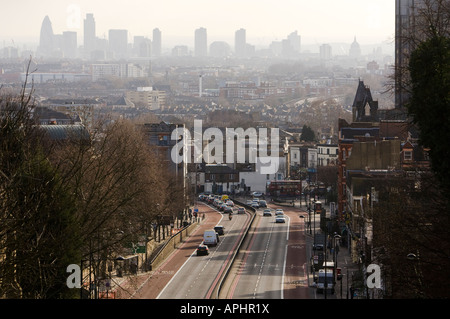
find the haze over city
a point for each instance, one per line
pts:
(322, 21)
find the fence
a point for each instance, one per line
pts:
(170, 245)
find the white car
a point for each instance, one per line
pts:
(267, 212)
(230, 203)
(279, 212)
(280, 219)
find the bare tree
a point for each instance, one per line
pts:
(409, 220)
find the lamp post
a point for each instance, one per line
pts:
(309, 217)
(416, 258)
(336, 236)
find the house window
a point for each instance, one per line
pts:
(407, 156)
(163, 140)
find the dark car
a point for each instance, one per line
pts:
(219, 229)
(202, 250)
(262, 203)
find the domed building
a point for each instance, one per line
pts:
(355, 50)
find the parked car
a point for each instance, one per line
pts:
(202, 250)
(267, 212)
(317, 246)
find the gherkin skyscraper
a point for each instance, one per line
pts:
(46, 42)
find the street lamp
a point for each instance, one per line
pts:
(338, 277)
(309, 217)
(416, 258)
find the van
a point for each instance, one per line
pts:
(325, 281)
(210, 237)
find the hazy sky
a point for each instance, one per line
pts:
(317, 21)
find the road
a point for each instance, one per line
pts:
(199, 275)
(150, 286)
(272, 264)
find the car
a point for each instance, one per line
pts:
(317, 246)
(202, 250)
(280, 219)
(219, 229)
(241, 210)
(249, 202)
(267, 212)
(222, 207)
(262, 203)
(230, 203)
(227, 210)
(279, 211)
(255, 204)
(257, 194)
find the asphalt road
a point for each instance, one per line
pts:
(199, 275)
(272, 262)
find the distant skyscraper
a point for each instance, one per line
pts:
(295, 41)
(405, 11)
(89, 34)
(46, 40)
(69, 44)
(325, 52)
(355, 50)
(118, 43)
(240, 43)
(156, 42)
(201, 43)
(141, 46)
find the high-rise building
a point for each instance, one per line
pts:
(69, 44)
(118, 43)
(46, 40)
(325, 52)
(295, 41)
(142, 47)
(89, 34)
(240, 43)
(405, 12)
(156, 42)
(201, 43)
(355, 50)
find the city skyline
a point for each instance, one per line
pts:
(323, 21)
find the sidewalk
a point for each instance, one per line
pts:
(348, 268)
